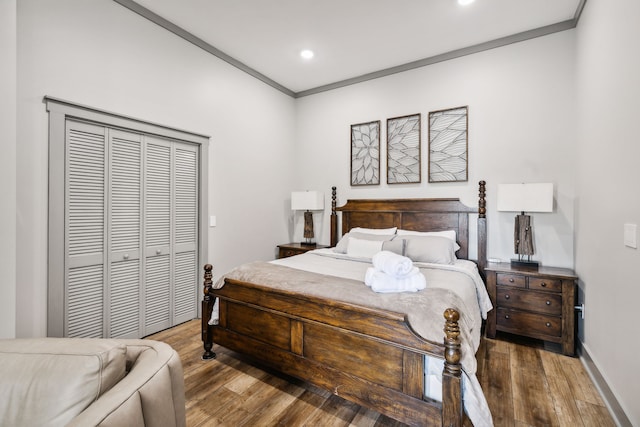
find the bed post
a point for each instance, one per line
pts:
(452, 409)
(207, 308)
(482, 228)
(334, 218)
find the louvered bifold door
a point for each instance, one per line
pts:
(157, 234)
(85, 225)
(185, 284)
(125, 237)
(131, 232)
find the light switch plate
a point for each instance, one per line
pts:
(630, 233)
(212, 221)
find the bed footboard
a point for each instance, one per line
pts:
(370, 357)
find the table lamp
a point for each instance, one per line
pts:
(531, 197)
(307, 201)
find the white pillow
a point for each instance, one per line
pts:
(363, 248)
(396, 246)
(451, 234)
(433, 249)
(342, 245)
(380, 231)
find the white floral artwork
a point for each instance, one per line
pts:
(365, 153)
(448, 145)
(403, 150)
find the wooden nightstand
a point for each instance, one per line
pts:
(535, 303)
(291, 249)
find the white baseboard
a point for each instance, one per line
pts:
(607, 395)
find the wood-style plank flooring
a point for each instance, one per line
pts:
(524, 383)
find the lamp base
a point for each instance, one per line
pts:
(521, 263)
(308, 229)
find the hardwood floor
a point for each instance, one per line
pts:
(525, 385)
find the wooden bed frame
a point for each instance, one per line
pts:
(369, 356)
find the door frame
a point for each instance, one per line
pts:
(59, 112)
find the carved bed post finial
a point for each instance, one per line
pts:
(334, 218)
(333, 200)
(452, 407)
(452, 354)
(208, 275)
(482, 203)
(482, 228)
(207, 308)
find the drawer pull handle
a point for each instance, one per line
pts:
(548, 302)
(158, 251)
(507, 296)
(548, 325)
(125, 256)
(506, 316)
(543, 284)
(511, 279)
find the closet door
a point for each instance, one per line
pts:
(170, 233)
(185, 292)
(125, 237)
(85, 225)
(131, 232)
(158, 274)
(125, 231)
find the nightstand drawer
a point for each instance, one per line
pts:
(284, 253)
(290, 249)
(511, 280)
(518, 321)
(539, 302)
(551, 285)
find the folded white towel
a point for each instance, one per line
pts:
(384, 283)
(393, 264)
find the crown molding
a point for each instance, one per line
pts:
(180, 32)
(481, 47)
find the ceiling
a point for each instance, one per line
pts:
(353, 40)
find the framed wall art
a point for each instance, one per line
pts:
(403, 149)
(448, 130)
(365, 153)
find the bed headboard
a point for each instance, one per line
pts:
(416, 215)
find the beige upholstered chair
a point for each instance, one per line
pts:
(90, 382)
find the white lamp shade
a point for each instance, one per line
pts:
(529, 197)
(307, 201)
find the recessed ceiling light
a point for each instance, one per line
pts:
(465, 2)
(306, 54)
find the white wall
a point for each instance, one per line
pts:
(523, 126)
(521, 129)
(609, 150)
(8, 168)
(102, 55)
